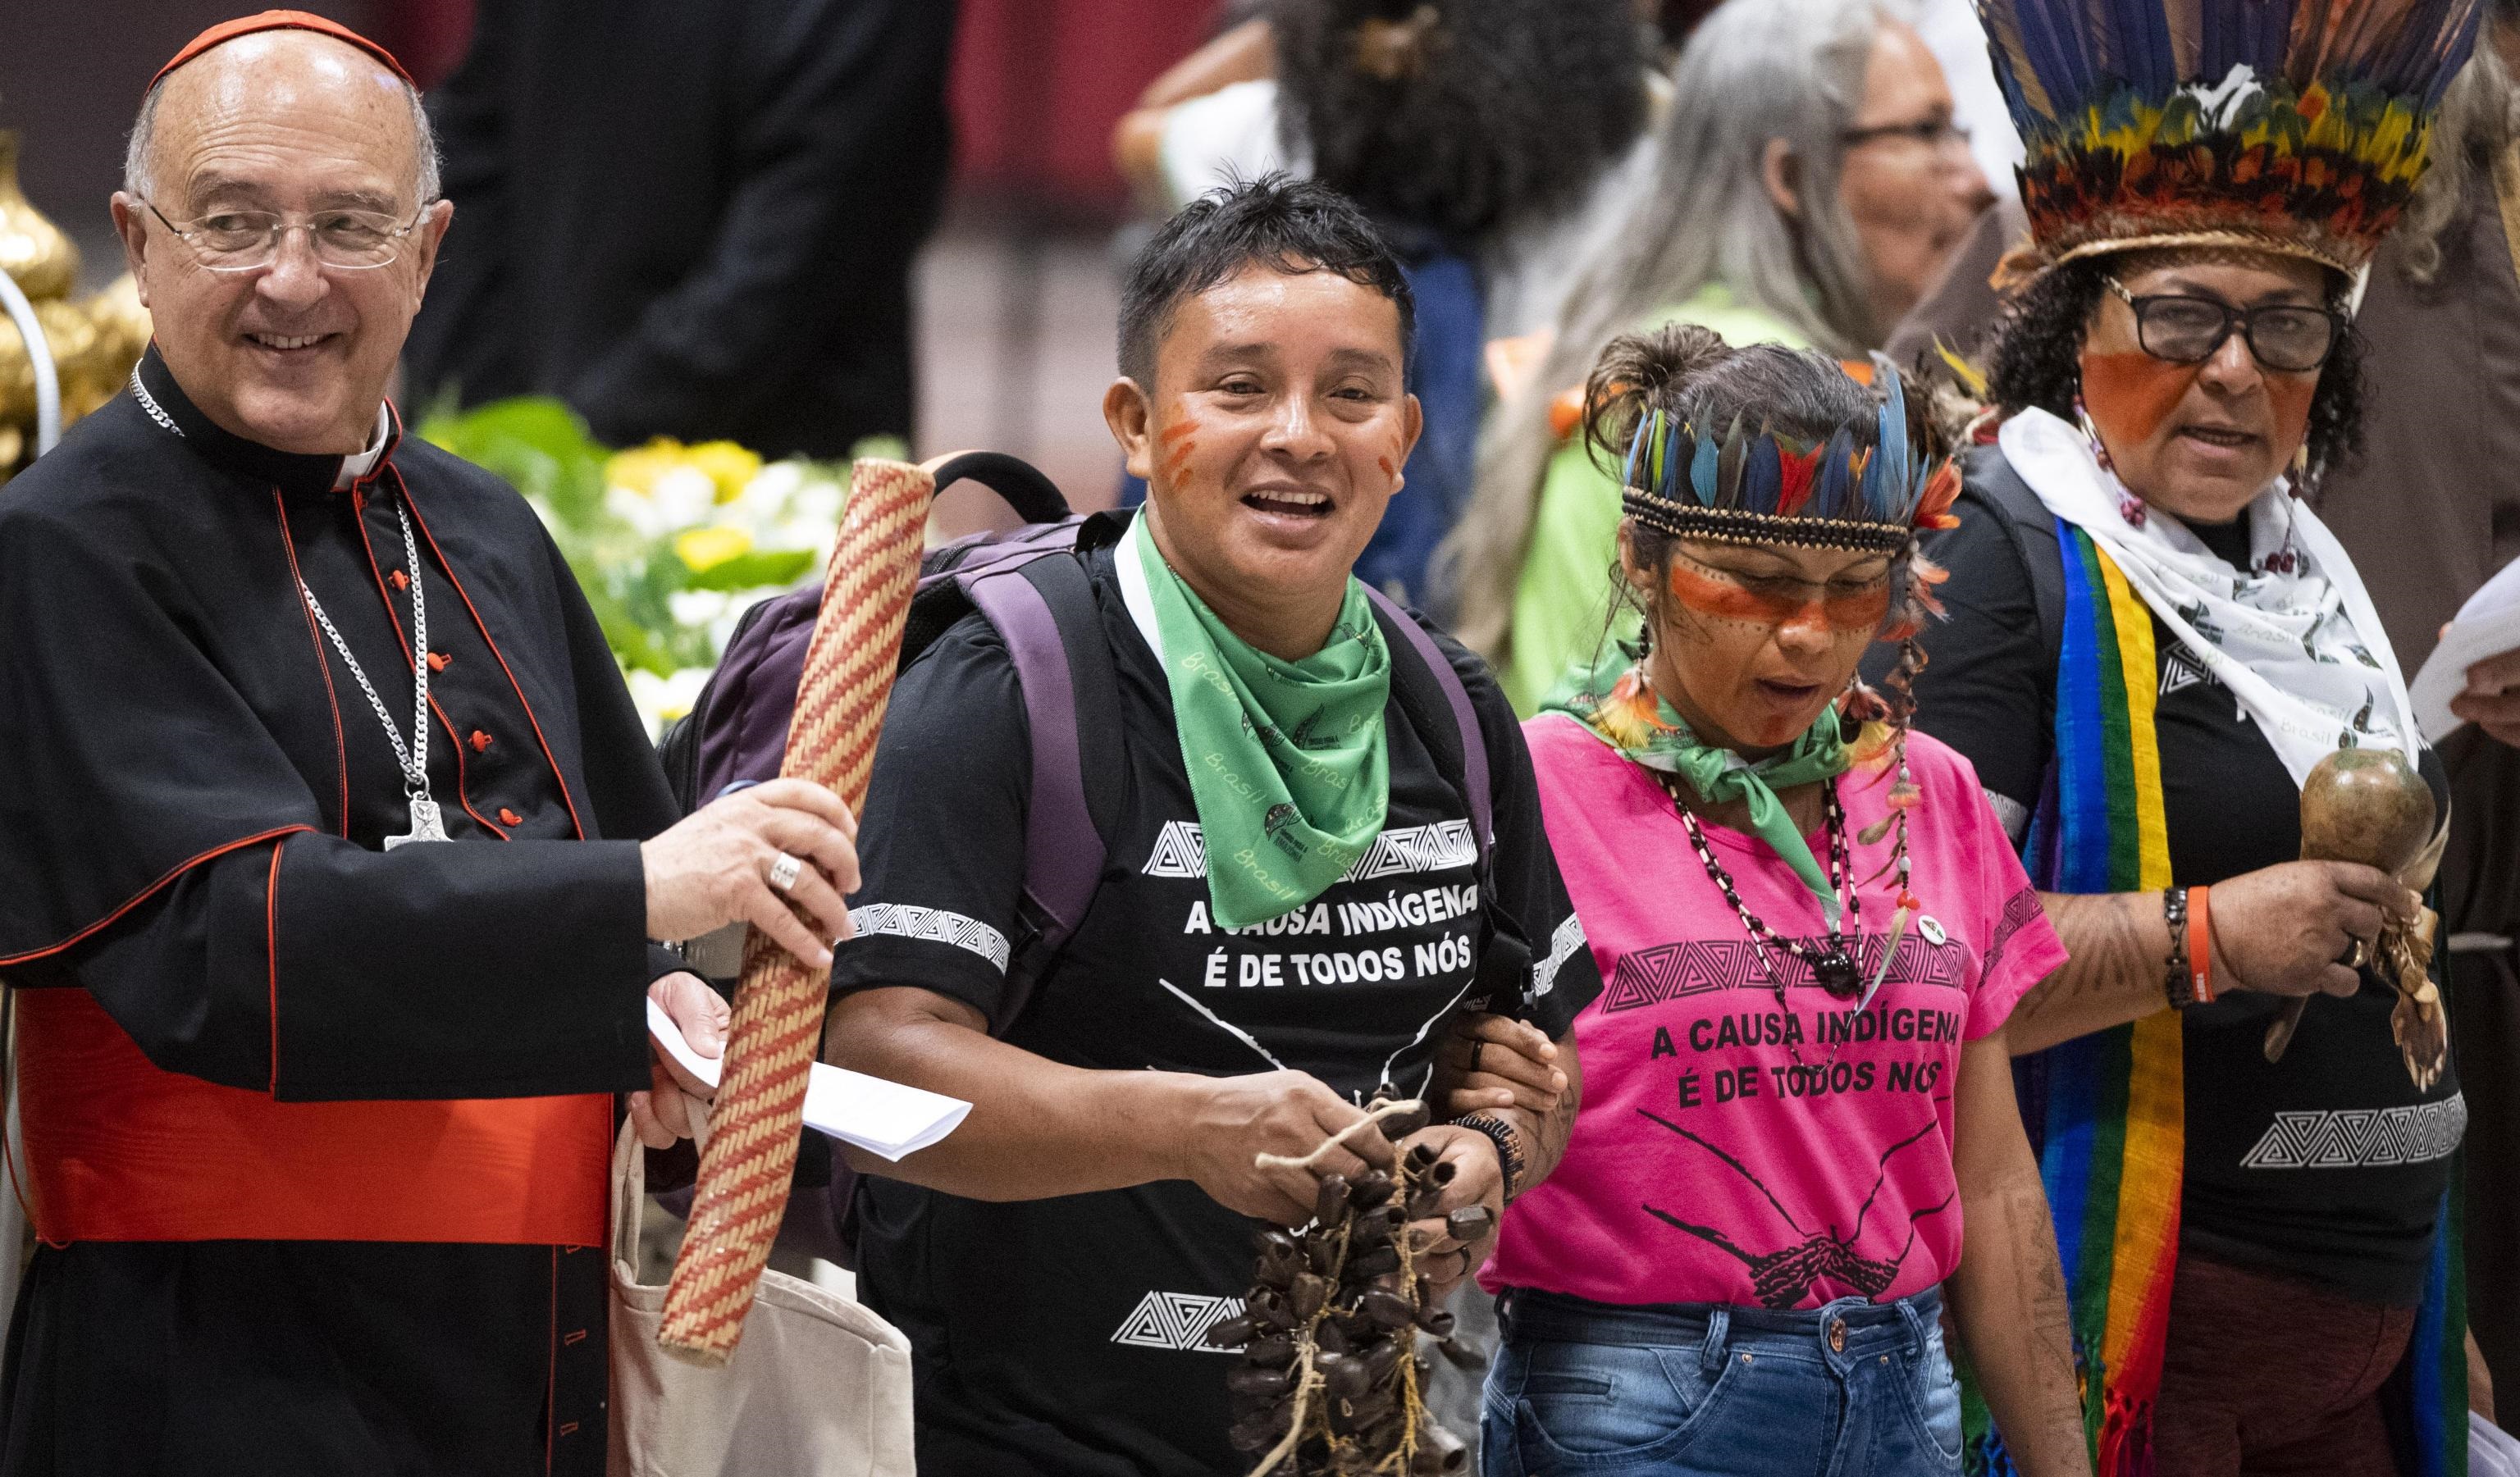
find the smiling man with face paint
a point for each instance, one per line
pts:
(1297, 895)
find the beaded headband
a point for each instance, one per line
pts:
(1769, 488)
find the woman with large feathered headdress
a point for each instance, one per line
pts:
(2153, 641)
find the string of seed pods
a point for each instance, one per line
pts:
(1332, 1383)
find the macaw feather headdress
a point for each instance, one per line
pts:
(2294, 126)
(1742, 487)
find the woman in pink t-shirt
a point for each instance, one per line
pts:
(1797, 1137)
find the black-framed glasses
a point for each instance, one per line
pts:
(2290, 337)
(1933, 133)
(248, 241)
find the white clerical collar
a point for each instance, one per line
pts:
(356, 466)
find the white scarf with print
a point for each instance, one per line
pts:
(2301, 647)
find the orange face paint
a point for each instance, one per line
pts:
(1174, 433)
(1179, 461)
(1777, 600)
(2290, 396)
(2129, 396)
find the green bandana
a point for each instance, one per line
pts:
(1617, 705)
(1288, 761)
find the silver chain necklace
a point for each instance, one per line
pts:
(426, 822)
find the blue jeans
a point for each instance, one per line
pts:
(1853, 1389)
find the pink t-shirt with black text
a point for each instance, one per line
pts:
(1705, 1166)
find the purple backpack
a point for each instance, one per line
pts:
(1031, 584)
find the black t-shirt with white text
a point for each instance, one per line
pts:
(1063, 1336)
(2329, 1164)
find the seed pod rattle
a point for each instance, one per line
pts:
(1330, 1381)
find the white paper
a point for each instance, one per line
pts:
(2488, 625)
(883, 1118)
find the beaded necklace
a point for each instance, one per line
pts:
(1834, 964)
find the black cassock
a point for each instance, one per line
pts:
(192, 794)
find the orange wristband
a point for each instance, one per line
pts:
(2200, 947)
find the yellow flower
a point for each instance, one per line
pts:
(728, 466)
(640, 469)
(704, 549)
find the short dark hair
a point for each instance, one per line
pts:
(1285, 224)
(2037, 358)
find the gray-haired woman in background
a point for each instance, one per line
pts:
(1809, 184)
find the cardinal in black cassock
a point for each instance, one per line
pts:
(316, 1132)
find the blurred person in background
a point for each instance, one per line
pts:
(1486, 138)
(1808, 184)
(694, 221)
(2427, 517)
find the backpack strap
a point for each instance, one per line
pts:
(1044, 609)
(2034, 534)
(1439, 707)
(1447, 715)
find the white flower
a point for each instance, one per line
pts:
(662, 699)
(696, 607)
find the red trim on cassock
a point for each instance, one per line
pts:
(271, 954)
(137, 898)
(402, 643)
(322, 662)
(501, 657)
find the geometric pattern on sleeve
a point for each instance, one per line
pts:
(934, 925)
(1562, 945)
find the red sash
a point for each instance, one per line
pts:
(119, 1150)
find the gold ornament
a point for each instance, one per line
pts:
(33, 250)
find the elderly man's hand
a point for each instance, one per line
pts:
(661, 1114)
(721, 865)
(2492, 701)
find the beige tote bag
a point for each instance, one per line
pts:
(819, 1387)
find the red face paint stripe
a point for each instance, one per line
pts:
(271, 954)
(323, 663)
(1176, 431)
(402, 644)
(1725, 601)
(495, 653)
(143, 895)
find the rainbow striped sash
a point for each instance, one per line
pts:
(2106, 1111)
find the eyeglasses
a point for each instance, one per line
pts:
(1933, 133)
(2288, 337)
(248, 241)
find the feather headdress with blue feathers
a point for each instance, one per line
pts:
(2297, 126)
(1736, 485)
